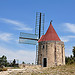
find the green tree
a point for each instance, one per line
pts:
(23, 62)
(14, 62)
(32, 63)
(71, 59)
(73, 51)
(3, 60)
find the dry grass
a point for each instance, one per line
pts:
(59, 70)
(3, 69)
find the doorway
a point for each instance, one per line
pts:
(44, 62)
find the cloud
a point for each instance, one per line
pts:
(22, 55)
(67, 38)
(68, 50)
(70, 27)
(6, 37)
(68, 53)
(19, 25)
(64, 39)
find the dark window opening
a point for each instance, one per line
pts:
(44, 62)
(46, 47)
(41, 54)
(43, 46)
(55, 57)
(62, 54)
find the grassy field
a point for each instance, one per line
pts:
(59, 70)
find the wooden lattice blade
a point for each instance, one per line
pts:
(26, 38)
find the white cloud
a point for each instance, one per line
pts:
(24, 55)
(66, 38)
(70, 27)
(68, 53)
(21, 55)
(71, 36)
(6, 37)
(19, 25)
(68, 50)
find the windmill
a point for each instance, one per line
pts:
(27, 38)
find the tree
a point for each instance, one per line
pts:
(14, 62)
(73, 51)
(71, 56)
(32, 63)
(3, 60)
(71, 59)
(23, 62)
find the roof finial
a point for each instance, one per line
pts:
(50, 21)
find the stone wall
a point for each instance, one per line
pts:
(53, 51)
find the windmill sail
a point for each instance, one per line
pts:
(27, 38)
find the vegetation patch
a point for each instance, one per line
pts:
(3, 69)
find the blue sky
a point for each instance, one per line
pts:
(20, 16)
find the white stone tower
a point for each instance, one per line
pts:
(51, 49)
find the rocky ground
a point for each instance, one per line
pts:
(59, 70)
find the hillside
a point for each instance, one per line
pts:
(59, 70)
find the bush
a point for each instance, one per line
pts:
(69, 60)
(3, 69)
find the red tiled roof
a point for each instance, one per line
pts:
(50, 35)
(41, 38)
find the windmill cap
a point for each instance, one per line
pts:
(50, 35)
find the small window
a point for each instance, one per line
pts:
(42, 46)
(46, 47)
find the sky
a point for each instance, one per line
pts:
(20, 16)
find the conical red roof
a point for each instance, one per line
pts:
(50, 35)
(41, 39)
